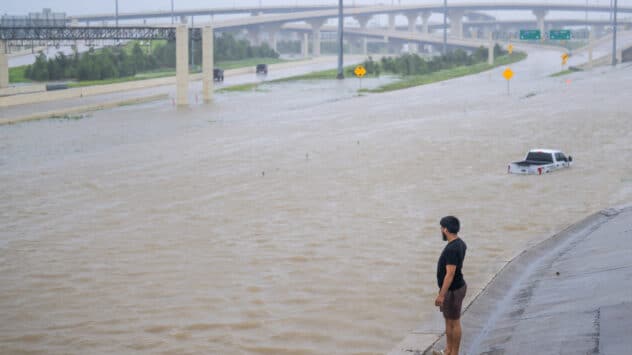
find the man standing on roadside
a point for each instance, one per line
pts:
(452, 286)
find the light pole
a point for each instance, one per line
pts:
(445, 27)
(341, 74)
(172, 16)
(116, 11)
(586, 16)
(614, 34)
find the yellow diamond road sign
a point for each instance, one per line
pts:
(564, 58)
(508, 74)
(510, 48)
(359, 71)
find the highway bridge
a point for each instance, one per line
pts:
(357, 10)
(270, 20)
(240, 10)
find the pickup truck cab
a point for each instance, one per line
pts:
(540, 161)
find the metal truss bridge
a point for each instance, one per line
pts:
(73, 33)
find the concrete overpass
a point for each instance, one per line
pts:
(318, 15)
(256, 10)
(456, 13)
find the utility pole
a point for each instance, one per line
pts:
(614, 34)
(586, 16)
(445, 27)
(341, 74)
(172, 15)
(116, 11)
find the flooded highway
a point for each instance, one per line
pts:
(298, 219)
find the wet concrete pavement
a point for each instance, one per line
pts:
(571, 294)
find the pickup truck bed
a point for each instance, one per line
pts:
(540, 161)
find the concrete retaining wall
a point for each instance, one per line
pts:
(22, 89)
(81, 109)
(81, 92)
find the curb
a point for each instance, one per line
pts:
(85, 108)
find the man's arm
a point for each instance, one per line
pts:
(447, 281)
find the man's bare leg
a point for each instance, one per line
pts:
(448, 337)
(453, 326)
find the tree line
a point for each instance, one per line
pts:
(128, 60)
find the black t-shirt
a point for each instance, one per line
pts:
(453, 254)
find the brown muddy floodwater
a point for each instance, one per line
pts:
(295, 220)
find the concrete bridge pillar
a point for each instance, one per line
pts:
(391, 22)
(456, 23)
(182, 65)
(599, 30)
(473, 32)
(316, 26)
(591, 39)
(207, 63)
(412, 24)
(539, 16)
(4, 65)
(273, 32)
(490, 50)
(425, 16)
(363, 20)
(412, 21)
(253, 35)
(305, 45)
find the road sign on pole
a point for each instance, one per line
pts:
(564, 58)
(359, 71)
(560, 35)
(510, 48)
(508, 74)
(530, 35)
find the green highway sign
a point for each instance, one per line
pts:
(527, 35)
(560, 34)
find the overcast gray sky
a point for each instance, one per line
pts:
(71, 7)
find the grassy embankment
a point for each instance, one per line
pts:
(317, 75)
(404, 82)
(446, 74)
(565, 72)
(16, 75)
(561, 73)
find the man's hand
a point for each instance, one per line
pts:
(439, 300)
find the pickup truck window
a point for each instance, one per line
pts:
(540, 156)
(560, 157)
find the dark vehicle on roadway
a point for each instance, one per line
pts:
(218, 74)
(262, 69)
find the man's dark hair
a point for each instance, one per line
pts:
(451, 223)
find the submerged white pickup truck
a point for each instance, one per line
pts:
(540, 161)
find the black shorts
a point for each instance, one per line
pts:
(452, 303)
